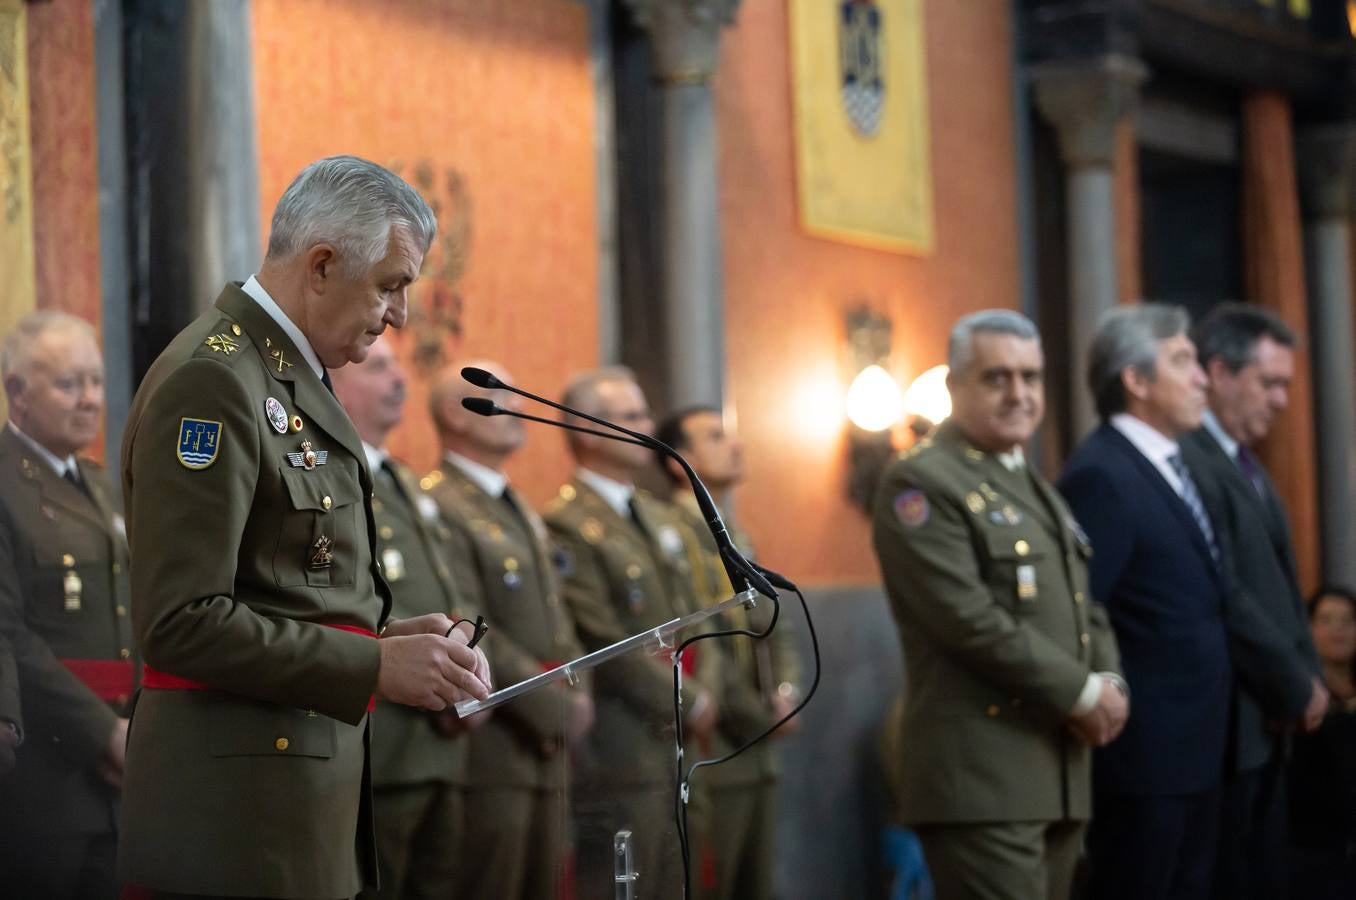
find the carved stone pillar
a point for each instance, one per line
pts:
(1084, 101)
(1326, 157)
(685, 37)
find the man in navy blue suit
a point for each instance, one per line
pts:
(1156, 567)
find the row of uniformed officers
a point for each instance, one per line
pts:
(521, 802)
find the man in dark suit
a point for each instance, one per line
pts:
(1155, 567)
(1247, 355)
(64, 600)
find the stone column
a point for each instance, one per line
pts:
(1326, 157)
(685, 37)
(1084, 101)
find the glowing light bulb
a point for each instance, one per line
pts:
(928, 397)
(873, 400)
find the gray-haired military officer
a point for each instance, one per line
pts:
(11, 717)
(64, 599)
(518, 799)
(1011, 666)
(418, 757)
(255, 569)
(761, 682)
(627, 570)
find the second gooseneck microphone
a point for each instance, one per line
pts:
(736, 566)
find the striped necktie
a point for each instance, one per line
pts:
(1192, 498)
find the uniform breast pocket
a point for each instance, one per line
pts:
(1014, 563)
(242, 727)
(66, 566)
(317, 537)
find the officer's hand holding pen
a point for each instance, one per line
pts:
(424, 664)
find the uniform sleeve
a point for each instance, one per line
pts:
(935, 586)
(61, 707)
(637, 678)
(10, 710)
(185, 528)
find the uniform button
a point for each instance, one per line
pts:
(67, 560)
(1022, 547)
(1079, 597)
(992, 710)
(1083, 639)
(117, 567)
(235, 329)
(125, 653)
(386, 531)
(327, 502)
(281, 743)
(120, 610)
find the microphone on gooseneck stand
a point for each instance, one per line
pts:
(737, 567)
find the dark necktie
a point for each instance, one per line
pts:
(1192, 498)
(325, 379)
(635, 516)
(75, 480)
(1247, 464)
(387, 471)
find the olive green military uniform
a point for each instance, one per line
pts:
(620, 580)
(741, 794)
(257, 593)
(418, 767)
(11, 715)
(986, 571)
(518, 799)
(64, 596)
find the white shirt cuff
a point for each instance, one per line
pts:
(1087, 700)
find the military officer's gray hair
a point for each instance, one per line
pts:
(581, 391)
(960, 349)
(351, 203)
(16, 354)
(1128, 337)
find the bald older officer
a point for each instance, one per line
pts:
(259, 597)
(63, 608)
(987, 577)
(517, 798)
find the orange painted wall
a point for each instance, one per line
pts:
(500, 91)
(64, 156)
(786, 293)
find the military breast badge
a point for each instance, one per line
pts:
(306, 458)
(277, 416)
(199, 441)
(322, 553)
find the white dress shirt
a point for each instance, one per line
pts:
(259, 295)
(614, 493)
(489, 480)
(1156, 447)
(59, 465)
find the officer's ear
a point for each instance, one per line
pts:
(322, 267)
(14, 387)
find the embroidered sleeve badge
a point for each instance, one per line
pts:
(199, 441)
(911, 507)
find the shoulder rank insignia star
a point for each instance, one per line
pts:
(222, 343)
(306, 458)
(199, 441)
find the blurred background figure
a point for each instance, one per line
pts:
(419, 757)
(11, 721)
(1323, 767)
(518, 798)
(760, 678)
(64, 598)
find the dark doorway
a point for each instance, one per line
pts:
(1190, 233)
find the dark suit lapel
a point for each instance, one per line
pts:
(1169, 496)
(1266, 506)
(286, 365)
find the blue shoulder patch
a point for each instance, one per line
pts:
(199, 441)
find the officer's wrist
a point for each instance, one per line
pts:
(1120, 683)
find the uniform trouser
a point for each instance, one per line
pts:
(1002, 860)
(59, 866)
(648, 813)
(1254, 834)
(513, 847)
(418, 831)
(1152, 846)
(739, 825)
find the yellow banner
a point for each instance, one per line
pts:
(16, 180)
(862, 166)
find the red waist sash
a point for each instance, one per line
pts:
(109, 679)
(164, 681)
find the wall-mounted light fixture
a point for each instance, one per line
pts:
(873, 405)
(927, 402)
